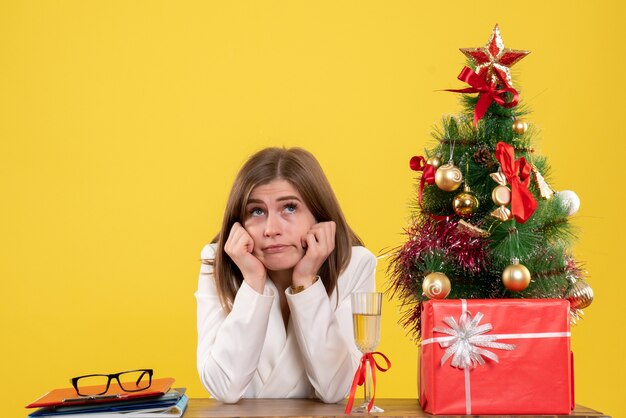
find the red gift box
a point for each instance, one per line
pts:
(504, 356)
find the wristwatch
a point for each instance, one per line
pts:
(298, 289)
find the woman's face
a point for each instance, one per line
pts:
(277, 219)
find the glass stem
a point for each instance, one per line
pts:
(367, 384)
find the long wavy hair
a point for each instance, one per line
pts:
(303, 171)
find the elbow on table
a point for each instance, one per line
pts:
(330, 397)
(228, 398)
(227, 392)
(227, 395)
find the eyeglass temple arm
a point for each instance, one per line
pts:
(141, 377)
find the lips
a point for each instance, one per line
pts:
(274, 249)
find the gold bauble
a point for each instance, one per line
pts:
(520, 126)
(435, 161)
(448, 177)
(580, 295)
(465, 203)
(501, 195)
(516, 277)
(436, 285)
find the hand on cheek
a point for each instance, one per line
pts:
(318, 243)
(239, 247)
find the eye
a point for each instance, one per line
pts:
(290, 207)
(256, 212)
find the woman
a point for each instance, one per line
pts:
(274, 315)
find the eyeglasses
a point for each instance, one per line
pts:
(98, 384)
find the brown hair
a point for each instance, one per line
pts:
(303, 171)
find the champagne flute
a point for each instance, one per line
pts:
(366, 310)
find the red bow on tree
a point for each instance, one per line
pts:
(517, 173)
(488, 93)
(418, 163)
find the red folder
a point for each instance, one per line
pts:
(68, 396)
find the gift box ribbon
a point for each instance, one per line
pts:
(361, 375)
(467, 344)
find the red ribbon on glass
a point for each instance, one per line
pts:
(517, 173)
(361, 375)
(488, 93)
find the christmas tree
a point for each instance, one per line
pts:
(485, 223)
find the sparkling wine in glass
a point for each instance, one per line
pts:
(366, 310)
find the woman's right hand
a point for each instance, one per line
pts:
(239, 246)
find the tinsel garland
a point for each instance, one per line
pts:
(463, 255)
(463, 252)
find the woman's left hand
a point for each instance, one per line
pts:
(318, 243)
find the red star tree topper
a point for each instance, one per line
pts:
(494, 60)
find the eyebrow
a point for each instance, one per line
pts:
(280, 199)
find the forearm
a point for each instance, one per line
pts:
(324, 327)
(229, 347)
(330, 355)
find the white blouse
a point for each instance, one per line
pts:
(249, 354)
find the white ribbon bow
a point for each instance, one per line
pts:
(467, 338)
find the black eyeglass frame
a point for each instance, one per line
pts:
(115, 376)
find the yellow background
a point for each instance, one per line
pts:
(123, 123)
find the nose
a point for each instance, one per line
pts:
(272, 225)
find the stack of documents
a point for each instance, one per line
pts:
(160, 400)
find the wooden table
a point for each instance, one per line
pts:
(410, 408)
